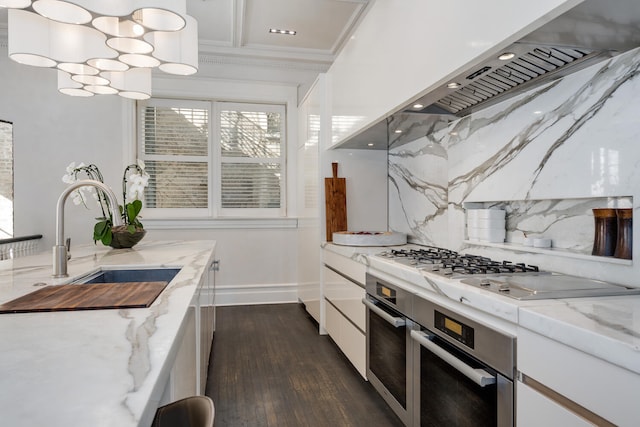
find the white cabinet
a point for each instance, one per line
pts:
(183, 378)
(345, 315)
(572, 385)
(207, 323)
(536, 410)
(403, 49)
(308, 197)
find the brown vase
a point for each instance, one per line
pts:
(606, 232)
(624, 243)
(122, 238)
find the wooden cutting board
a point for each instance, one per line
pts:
(86, 297)
(335, 195)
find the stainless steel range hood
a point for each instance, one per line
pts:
(590, 32)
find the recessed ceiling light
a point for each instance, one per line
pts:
(397, 131)
(418, 106)
(287, 32)
(506, 56)
(453, 85)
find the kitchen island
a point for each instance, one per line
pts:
(99, 367)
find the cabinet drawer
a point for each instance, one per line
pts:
(607, 390)
(536, 410)
(350, 340)
(348, 267)
(346, 296)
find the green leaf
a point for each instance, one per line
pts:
(100, 229)
(131, 228)
(108, 236)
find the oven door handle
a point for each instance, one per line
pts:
(397, 322)
(478, 376)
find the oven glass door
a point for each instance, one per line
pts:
(448, 397)
(388, 355)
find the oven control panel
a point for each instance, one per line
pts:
(454, 328)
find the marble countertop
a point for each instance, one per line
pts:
(98, 367)
(605, 327)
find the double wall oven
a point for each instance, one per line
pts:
(435, 367)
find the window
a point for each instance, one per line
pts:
(231, 165)
(6, 180)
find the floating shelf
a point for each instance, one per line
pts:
(552, 251)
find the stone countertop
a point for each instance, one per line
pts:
(605, 327)
(95, 367)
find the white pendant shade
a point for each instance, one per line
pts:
(103, 47)
(108, 64)
(177, 50)
(136, 60)
(90, 80)
(133, 84)
(114, 26)
(129, 45)
(62, 11)
(73, 68)
(17, 4)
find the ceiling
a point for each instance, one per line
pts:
(240, 28)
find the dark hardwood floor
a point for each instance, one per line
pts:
(270, 367)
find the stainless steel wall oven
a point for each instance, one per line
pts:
(463, 370)
(389, 345)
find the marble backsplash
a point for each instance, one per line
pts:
(548, 156)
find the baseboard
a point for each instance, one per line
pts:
(272, 293)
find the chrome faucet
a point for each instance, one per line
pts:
(60, 250)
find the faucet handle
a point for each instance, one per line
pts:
(67, 244)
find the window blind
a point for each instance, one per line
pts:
(174, 143)
(251, 151)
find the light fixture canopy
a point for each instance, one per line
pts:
(103, 47)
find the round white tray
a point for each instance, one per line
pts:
(369, 238)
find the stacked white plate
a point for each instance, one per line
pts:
(486, 225)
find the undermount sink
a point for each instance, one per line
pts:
(111, 289)
(129, 275)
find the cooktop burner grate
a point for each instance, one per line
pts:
(453, 264)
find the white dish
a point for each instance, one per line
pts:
(486, 222)
(369, 238)
(486, 213)
(542, 243)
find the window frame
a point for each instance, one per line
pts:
(214, 211)
(186, 213)
(218, 107)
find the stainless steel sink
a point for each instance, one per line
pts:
(129, 275)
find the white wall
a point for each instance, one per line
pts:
(51, 130)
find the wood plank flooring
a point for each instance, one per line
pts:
(270, 367)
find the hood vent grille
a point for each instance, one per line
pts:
(492, 82)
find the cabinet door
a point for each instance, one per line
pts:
(346, 296)
(535, 410)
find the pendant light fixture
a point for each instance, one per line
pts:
(103, 47)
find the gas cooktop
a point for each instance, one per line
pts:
(452, 264)
(516, 280)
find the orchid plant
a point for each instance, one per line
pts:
(134, 181)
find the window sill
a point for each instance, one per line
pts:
(218, 223)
